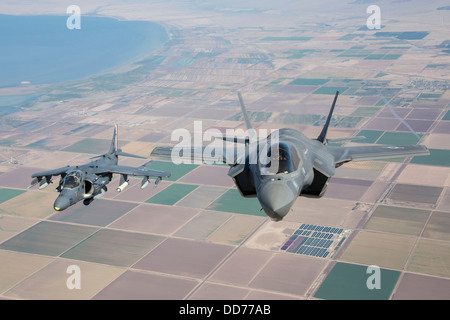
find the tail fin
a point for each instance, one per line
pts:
(114, 149)
(115, 140)
(251, 132)
(323, 134)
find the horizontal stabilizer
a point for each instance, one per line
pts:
(124, 154)
(119, 153)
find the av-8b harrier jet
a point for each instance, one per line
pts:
(88, 181)
(294, 166)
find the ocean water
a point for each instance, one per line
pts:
(41, 49)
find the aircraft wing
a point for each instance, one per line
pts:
(44, 177)
(131, 171)
(362, 153)
(54, 172)
(208, 154)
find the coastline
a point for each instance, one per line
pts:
(105, 60)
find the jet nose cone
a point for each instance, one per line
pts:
(276, 199)
(61, 203)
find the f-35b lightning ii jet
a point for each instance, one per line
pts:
(296, 166)
(88, 181)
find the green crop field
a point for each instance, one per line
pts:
(349, 282)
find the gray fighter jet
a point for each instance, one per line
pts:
(88, 181)
(286, 164)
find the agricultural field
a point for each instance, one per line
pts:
(193, 236)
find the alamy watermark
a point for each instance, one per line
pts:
(74, 280)
(374, 20)
(74, 20)
(373, 281)
(235, 147)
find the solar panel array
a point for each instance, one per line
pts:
(313, 240)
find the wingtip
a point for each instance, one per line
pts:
(425, 148)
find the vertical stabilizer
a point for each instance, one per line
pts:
(115, 140)
(323, 135)
(250, 131)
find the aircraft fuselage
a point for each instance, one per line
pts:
(81, 184)
(278, 185)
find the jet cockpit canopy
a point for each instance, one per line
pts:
(282, 158)
(72, 180)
